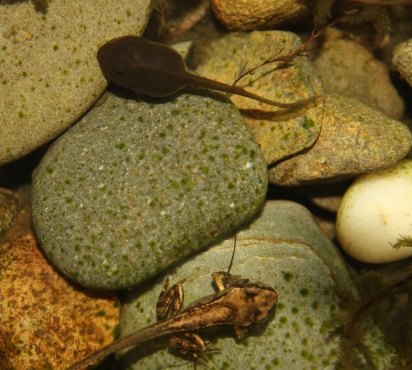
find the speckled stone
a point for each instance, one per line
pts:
(49, 73)
(355, 139)
(45, 321)
(254, 14)
(284, 248)
(279, 132)
(136, 186)
(361, 76)
(402, 59)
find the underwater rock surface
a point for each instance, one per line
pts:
(46, 321)
(375, 214)
(361, 76)
(137, 185)
(402, 59)
(355, 139)
(49, 71)
(279, 132)
(251, 15)
(15, 217)
(282, 247)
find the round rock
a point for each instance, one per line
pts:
(49, 72)
(375, 213)
(285, 249)
(254, 14)
(362, 77)
(355, 139)
(402, 59)
(279, 132)
(136, 186)
(46, 321)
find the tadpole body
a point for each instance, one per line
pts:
(157, 70)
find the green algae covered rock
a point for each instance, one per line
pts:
(136, 186)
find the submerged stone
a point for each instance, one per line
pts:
(284, 248)
(136, 186)
(355, 139)
(279, 132)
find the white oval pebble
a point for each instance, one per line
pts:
(375, 212)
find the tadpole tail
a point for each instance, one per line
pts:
(214, 85)
(139, 336)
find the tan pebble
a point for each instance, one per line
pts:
(355, 138)
(256, 14)
(361, 76)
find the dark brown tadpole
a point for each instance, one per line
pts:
(157, 70)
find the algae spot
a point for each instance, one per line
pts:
(308, 321)
(305, 354)
(308, 123)
(204, 169)
(288, 276)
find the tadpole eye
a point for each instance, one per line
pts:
(129, 44)
(120, 72)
